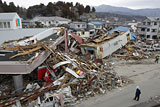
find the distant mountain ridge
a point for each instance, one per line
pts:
(126, 11)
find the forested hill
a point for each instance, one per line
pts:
(63, 9)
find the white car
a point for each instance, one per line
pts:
(156, 48)
(147, 48)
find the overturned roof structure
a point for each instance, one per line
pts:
(26, 64)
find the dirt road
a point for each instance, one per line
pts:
(145, 74)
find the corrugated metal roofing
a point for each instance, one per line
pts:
(120, 28)
(7, 16)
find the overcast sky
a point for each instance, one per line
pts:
(134, 4)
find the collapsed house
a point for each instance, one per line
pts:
(105, 46)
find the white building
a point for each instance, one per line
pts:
(150, 28)
(51, 21)
(81, 29)
(86, 33)
(10, 21)
(78, 25)
(105, 47)
(133, 26)
(95, 25)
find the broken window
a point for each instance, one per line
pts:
(155, 23)
(154, 30)
(148, 23)
(142, 35)
(142, 29)
(154, 37)
(148, 36)
(148, 30)
(144, 23)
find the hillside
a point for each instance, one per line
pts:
(126, 11)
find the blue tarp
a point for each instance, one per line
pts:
(97, 23)
(132, 36)
(120, 28)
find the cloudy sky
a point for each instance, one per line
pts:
(134, 4)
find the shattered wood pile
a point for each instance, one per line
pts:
(132, 52)
(71, 78)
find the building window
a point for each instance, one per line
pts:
(143, 29)
(154, 30)
(1, 25)
(5, 24)
(9, 26)
(148, 30)
(155, 23)
(83, 32)
(154, 37)
(91, 32)
(144, 23)
(78, 26)
(148, 23)
(148, 36)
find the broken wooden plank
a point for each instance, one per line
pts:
(27, 52)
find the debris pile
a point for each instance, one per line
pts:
(132, 52)
(67, 78)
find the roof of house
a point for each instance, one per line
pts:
(97, 23)
(7, 16)
(50, 18)
(78, 22)
(18, 33)
(153, 18)
(120, 28)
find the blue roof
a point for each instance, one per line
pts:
(120, 28)
(97, 23)
(132, 36)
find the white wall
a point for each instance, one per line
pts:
(112, 45)
(13, 22)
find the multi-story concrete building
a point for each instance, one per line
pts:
(150, 28)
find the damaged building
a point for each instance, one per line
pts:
(105, 46)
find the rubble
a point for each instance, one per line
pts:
(68, 77)
(132, 52)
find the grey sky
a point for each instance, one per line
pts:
(134, 4)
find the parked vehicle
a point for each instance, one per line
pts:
(147, 48)
(156, 47)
